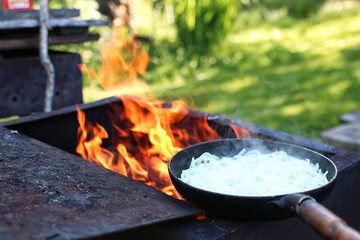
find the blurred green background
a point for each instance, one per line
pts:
(288, 65)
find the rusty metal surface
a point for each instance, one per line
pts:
(47, 193)
(23, 81)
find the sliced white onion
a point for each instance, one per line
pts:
(251, 173)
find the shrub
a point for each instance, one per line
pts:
(203, 24)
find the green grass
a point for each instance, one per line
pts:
(296, 76)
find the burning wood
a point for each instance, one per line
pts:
(157, 131)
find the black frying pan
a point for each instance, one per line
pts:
(303, 204)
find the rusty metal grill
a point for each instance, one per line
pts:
(49, 193)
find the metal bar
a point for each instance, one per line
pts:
(54, 22)
(33, 42)
(34, 14)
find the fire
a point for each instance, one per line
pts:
(142, 134)
(145, 134)
(124, 58)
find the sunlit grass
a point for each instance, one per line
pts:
(296, 76)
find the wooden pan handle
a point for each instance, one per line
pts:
(319, 218)
(325, 222)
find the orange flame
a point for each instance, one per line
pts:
(146, 135)
(123, 59)
(143, 134)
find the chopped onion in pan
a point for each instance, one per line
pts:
(251, 173)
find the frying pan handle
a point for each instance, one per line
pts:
(320, 218)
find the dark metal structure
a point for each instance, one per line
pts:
(90, 199)
(20, 29)
(23, 81)
(22, 76)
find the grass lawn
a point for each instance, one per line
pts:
(293, 75)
